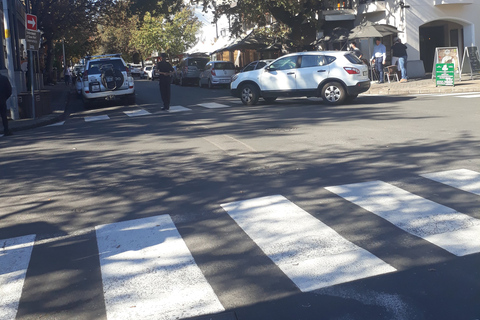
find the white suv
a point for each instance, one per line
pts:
(107, 77)
(335, 76)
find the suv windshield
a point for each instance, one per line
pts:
(197, 62)
(97, 66)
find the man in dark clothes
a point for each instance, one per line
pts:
(5, 93)
(399, 53)
(165, 70)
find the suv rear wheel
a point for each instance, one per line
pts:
(333, 93)
(249, 94)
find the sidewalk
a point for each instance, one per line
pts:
(59, 95)
(423, 86)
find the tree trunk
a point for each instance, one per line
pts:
(49, 60)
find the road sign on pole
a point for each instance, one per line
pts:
(31, 22)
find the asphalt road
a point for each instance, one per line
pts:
(291, 210)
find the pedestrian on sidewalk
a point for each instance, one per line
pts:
(399, 54)
(5, 93)
(379, 57)
(165, 70)
(355, 50)
(67, 75)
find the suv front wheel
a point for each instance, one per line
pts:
(333, 93)
(249, 94)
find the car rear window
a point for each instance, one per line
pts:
(224, 66)
(97, 66)
(313, 61)
(199, 63)
(353, 58)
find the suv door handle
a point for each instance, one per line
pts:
(321, 70)
(291, 73)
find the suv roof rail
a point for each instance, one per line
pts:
(103, 56)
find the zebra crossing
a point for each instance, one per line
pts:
(145, 263)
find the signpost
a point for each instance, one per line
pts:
(444, 74)
(471, 61)
(32, 37)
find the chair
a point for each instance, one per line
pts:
(391, 72)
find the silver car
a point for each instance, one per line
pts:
(217, 73)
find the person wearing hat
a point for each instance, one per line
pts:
(379, 57)
(399, 54)
(165, 70)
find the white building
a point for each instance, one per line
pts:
(426, 24)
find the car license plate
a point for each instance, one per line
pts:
(95, 88)
(224, 81)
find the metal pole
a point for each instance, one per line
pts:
(32, 71)
(11, 72)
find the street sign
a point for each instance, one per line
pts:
(444, 74)
(31, 22)
(32, 36)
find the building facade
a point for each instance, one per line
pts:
(426, 24)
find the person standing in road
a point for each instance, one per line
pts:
(5, 93)
(379, 57)
(399, 53)
(165, 70)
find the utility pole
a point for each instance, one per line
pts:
(11, 72)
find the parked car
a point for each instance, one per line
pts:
(258, 64)
(151, 73)
(217, 73)
(335, 76)
(107, 77)
(136, 70)
(189, 69)
(78, 69)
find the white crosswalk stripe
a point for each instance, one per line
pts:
(213, 105)
(145, 263)
(97, 118)
(463, 179)
(137, 113)
(14, 259)
(438, 224)
(310, 253)
(178, 109)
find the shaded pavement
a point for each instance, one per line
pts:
(61, 95)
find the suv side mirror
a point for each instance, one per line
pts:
(270, 68)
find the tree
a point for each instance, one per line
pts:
(72, 20)
(300, 17)
(155, 7)
(158, 34)
(115, 34)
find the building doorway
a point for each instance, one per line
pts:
(430, 38)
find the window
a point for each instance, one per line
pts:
(313, 61)
(224, 66)
(96, 67)
(285, 63)
(250, 67)
(353, 58)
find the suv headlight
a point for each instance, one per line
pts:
(235, 77)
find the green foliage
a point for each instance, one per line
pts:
(161, 35)
(155, 7)
(296, 19)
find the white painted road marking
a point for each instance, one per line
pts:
(178, 109)
(14, 259)
(213, 105)
(310, 253)
(96, 118)
(463, 179)
(137, 113)
(440, 225)
(149, 273)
